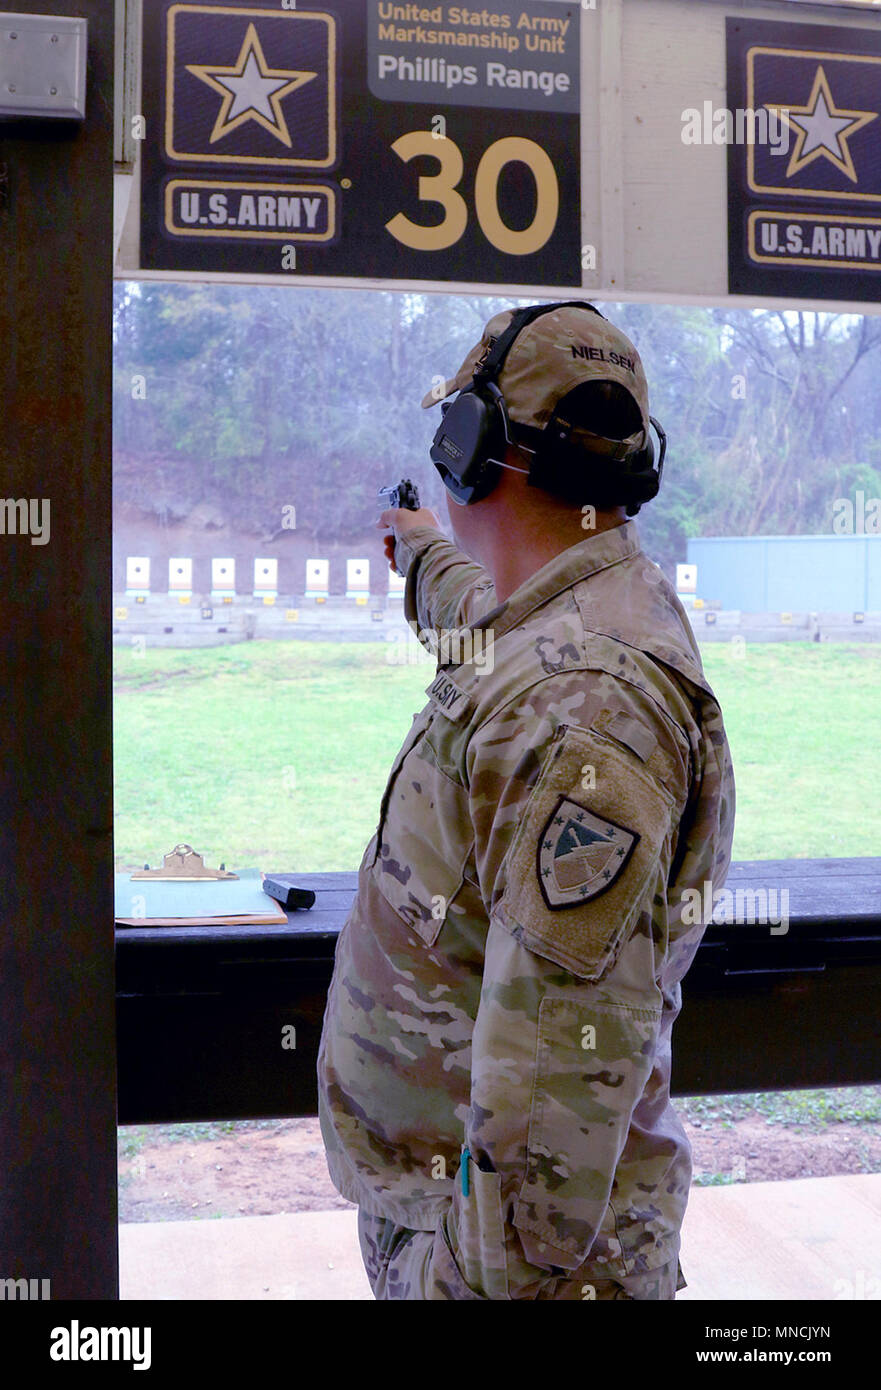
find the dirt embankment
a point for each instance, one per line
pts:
(281, 1167)
(206, 534)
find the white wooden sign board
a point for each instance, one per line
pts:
(686, 579)
(266, 576)
(223, 576)
(317, 577)
(180, 575)
(357, 578)
(137, 574)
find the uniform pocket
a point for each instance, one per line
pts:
(424, 839)
(477, 1234)
(593, 834)
(593, 1061)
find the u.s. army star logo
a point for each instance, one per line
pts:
(580, 855)
(245, 84)
(251, 90)
(822, 130)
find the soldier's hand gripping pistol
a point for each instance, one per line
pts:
(405, 494)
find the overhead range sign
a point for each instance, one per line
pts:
(805, 220)
(423, 142)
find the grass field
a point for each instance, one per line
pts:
(275, 754)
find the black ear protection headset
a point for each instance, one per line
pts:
(475, 431)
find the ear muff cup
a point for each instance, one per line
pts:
(471, 428)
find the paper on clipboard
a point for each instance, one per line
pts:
(201, 902)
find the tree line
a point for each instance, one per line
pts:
(257, 398)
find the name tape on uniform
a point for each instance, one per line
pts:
(445, 693)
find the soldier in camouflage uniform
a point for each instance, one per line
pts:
(495, 1062)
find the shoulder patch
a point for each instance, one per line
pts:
(580, 854)
(567, 840)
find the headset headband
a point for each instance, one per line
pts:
(494, 360)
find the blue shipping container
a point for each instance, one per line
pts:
(795, 574)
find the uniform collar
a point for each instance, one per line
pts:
(577, 562)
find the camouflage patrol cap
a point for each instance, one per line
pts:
(552, 355)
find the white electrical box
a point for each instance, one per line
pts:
(42, 66)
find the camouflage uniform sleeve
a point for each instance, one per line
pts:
(572, 841)
(445, 589)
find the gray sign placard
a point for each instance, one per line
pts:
(522, 57)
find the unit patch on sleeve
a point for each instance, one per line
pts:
(580, 854)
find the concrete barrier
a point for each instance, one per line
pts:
(163, 620)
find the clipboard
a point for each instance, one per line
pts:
(184, 893)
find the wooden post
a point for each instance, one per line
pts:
(58, 1208)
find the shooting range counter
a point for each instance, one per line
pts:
(204, 1013)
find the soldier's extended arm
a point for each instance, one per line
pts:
(445, 589)
(570, 1009)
